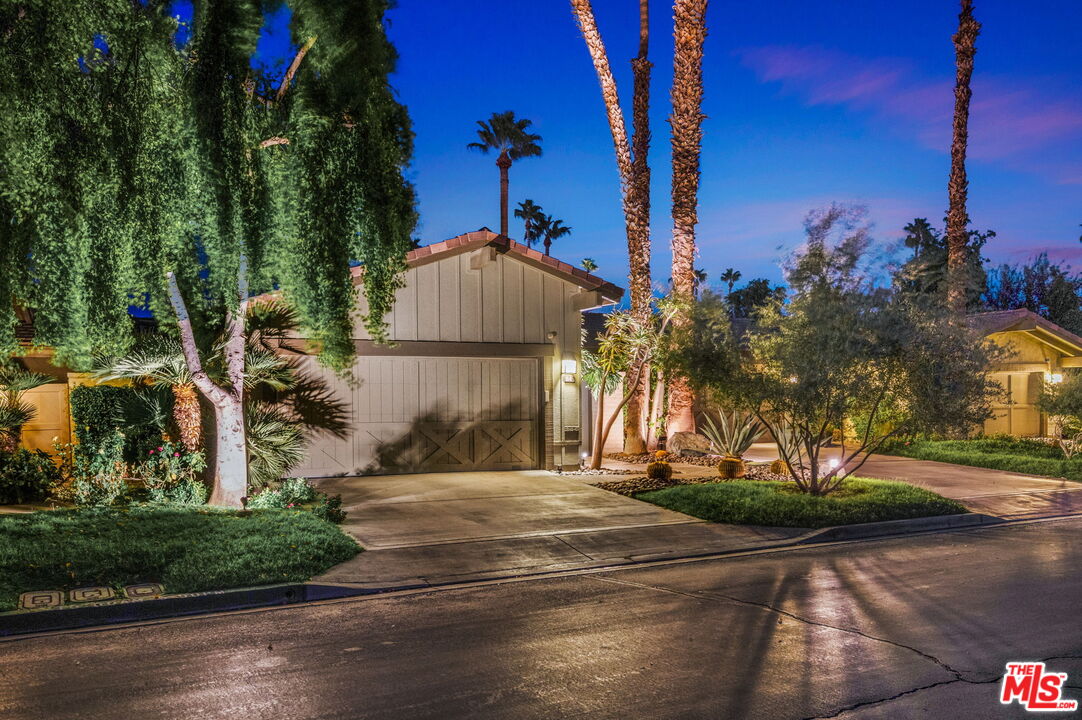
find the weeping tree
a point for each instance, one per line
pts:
(143, 161)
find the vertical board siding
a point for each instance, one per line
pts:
(482, 412)
(470, 311)
(512, 301)
(428, 302)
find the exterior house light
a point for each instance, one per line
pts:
(1053, 378)
(569, 367)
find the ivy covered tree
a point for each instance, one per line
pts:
(145, 160)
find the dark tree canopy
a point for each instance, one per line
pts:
(925, 272)
(129, 149)
(1048, 289)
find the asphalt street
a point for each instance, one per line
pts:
(917, 627)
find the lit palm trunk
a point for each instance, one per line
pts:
(634, 179)
(965, 47)
(187, 415)
(689, 30)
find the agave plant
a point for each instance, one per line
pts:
(733, 434)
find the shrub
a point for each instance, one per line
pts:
(171, 475)
(26, 476)
(98, 478)
(330, 509)
(296, 493)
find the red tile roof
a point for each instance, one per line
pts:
(503, 244)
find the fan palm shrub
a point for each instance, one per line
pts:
(15, 411)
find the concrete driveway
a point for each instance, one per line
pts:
(441, 527)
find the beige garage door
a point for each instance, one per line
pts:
(433, 415)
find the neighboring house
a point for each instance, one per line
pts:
(1040, 351)
(483, 372)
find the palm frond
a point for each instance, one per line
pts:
(275, 443)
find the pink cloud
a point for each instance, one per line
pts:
(1011, 121)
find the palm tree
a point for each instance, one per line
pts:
(512, 140)
(634, 170)
(550, 229)
(159, 361)
(730, 277)
(589, 265)
(14, 410)
(530, 213)
(689, 30)
(698, 281)
(965, 47)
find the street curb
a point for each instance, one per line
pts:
(23, 622)
(896, 527)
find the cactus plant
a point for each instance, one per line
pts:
(659, 470)
(779, 467)
(731, 467)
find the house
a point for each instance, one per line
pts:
(1039, 352)
(483, 371)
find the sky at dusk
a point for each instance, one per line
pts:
(806, 104)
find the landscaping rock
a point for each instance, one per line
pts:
(684, 441)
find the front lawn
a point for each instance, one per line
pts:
(1020, 455)
(781, 504)
(185, 549)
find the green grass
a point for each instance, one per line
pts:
(780, 504)
(1011, 454)
(187, 550)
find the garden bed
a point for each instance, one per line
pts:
(1011, 454)
(644, 458)
(639, 484)
(781, 504)
(185, 549)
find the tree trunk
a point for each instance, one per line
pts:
(634, 173)
(188, 416)
(9, 441)
(231, 455)
(598, 445)
(548, 245)
(957, 188)
(503, 162)
(689, 31)
(638, 240)
(231, 446)
(655, 411)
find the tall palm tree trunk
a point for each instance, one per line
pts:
(188, 416)
(689, 31)
(503, 162)
(635, 435)
(634, 178)
(965, 47)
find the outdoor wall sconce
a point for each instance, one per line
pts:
(1053, 378)
(569, 368)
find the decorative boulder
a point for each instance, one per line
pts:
(681, 442)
